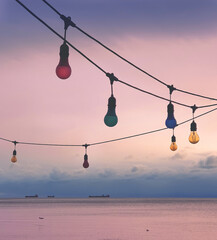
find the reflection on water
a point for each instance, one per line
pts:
(108, 219)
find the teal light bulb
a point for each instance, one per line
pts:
(111, 118)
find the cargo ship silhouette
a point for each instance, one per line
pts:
(99, 196)
(33, 196)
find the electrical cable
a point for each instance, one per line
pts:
(124, 59)
(96, 65)
(106, 141)
(118, 139)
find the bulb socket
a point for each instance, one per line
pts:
(14, 153)
(85, 157)
(193, 126)
(112, 102)
(170, 108)
(64, 51)
(173, 138)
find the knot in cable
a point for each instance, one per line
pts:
(112, 77)
(194, 108)
(171, 88)
(67, 21)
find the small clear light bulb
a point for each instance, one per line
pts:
(170, 121)
(173, 145)
(63, 70)
(193, 138)
(111, 118)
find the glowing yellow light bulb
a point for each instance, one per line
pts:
(194, 138)
(173, 146)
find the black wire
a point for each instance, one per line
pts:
(51, 7)
(154, 95)
(132, 64)
(50, 144)
(211, 105)
(138, 68)
(6, 140)
(132, 136)
(61, 36)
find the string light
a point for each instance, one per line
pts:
(14, 157)
(111, 118)
(194, 137)
(101, 69)
(72, 24)
(99, 143)
(63, 69)
(86, 163)
(170, 122)
(173, 145)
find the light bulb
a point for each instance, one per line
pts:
(170, 121)
(14, 158)
(85, 164)
(111, 118)
(63, 70)
(193, 138)
(173, 145)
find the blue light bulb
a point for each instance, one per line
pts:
(170, 121)
(111, 118)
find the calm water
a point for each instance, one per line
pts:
(108, 219)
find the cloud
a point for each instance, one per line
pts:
(208, 163)
(146, 185)
(128, 157)
(107, 173)
(58, 175)
(134, 169)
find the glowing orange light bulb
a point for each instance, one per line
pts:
(85, 164)
(173, 145)
(14, 158)
(63, 70)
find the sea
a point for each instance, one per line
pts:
(108, 219)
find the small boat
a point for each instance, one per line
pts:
(51, 196)
(99, 196)
(33, 196)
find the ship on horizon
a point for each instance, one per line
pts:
(33, 196)
(99, 196)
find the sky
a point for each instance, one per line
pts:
(173, 40)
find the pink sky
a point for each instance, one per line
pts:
(39, 107)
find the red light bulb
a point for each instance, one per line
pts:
(85, 164)
(63, 70)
